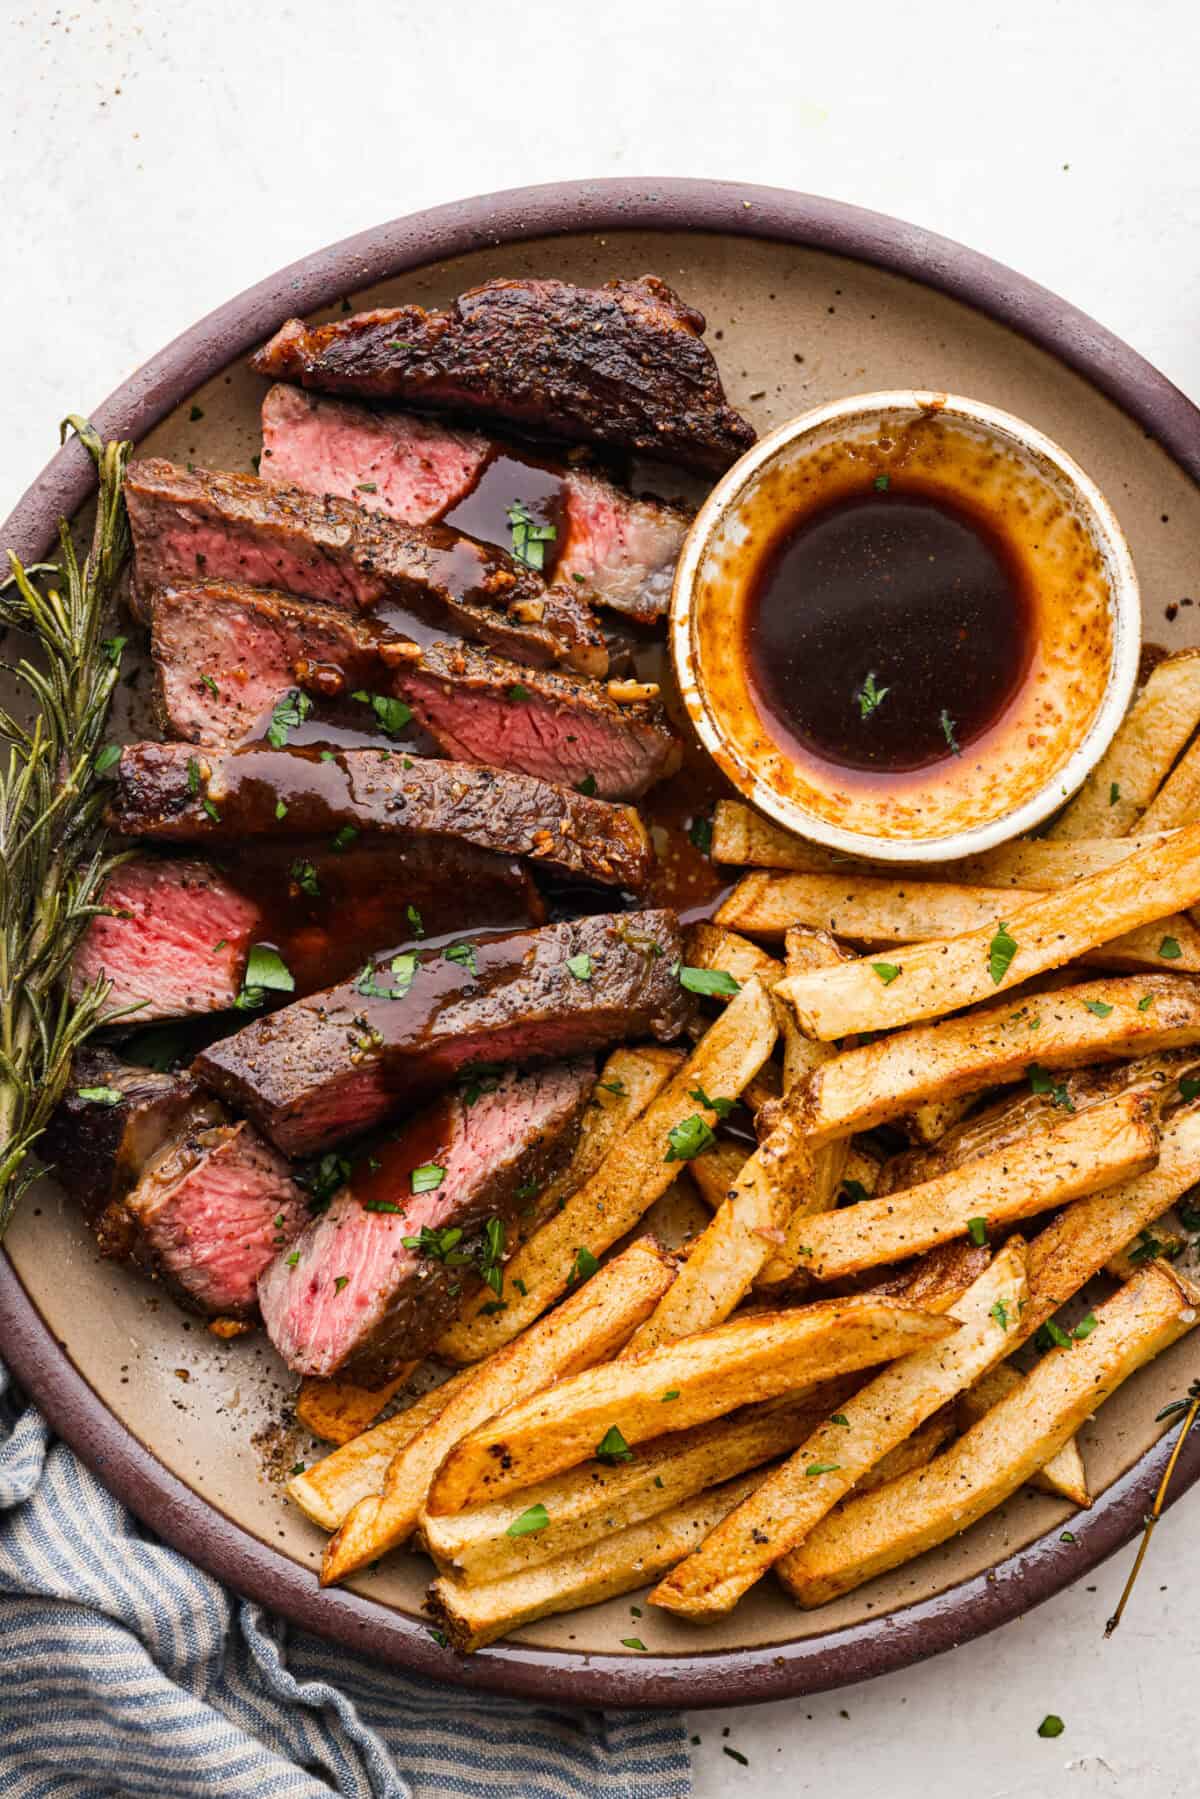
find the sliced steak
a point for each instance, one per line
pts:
(624, 364)
(191, 524)
(96, 1147)
(254, 646)
(622, 550)
(211, 1209)
(374, 1280)
(337, 1062)
(165, 791)
(175, 943)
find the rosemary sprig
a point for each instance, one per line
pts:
(1190, 1408)
(52, 860)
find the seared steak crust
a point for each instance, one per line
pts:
(253, 646)
(624, 364)
(97, 1150)
(191, 524)
(165, 791)
(352, 1296)
(338, 1062)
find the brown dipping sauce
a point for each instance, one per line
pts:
(888, 630)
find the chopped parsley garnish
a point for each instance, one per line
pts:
(851, 1193)
(580, 966)
(491, 1254)
(1051, 1726)
(882, 483)
(1050, 1336)
(381, 1205)
(709, 981)
(1169, 949)
(977, 1231)
(195, 415)
(722, 1107)
(887, 971)
(840, 1418)
(516, 693)
(587, 786)
(345, 837)
(584, 1266)
(428, 1176)
(403, 968)
(617, 1087)
(1189, 1086)
(1114, 793)
(439, 1245)
(1000, 1313)
(735, 1755)
(870, 697)
(947, 724)
(392, 714)
(265, 967)
(1085, 1327)
(701, 833)
(250, 999)
(220, 944)
(281, 810)
(100, 1096)
(464, 955)
(340, 1281)
(1001, 951)
(211, 810)
(1098, 1007)
(207, 681)
(633, 1643)
(415, 922)
(305, 876)
(533, 1518)
(612, 1447)
(366, 487)
(1067, 1536)
(290, 711)
(690, 1137)
(293, 1259)
(112, 647)
(1042, 1081)
(815, 1468)
(483, 1078)
(529, 539)
(105, 758)
(193, 776)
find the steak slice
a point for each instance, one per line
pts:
(621, 549)
(211, 1209)
(337, 1062)
(165, 791)
(176, 941)
(374, 1281)
(97, 1148)
(196, 523)
(254, 646)
(624, 364)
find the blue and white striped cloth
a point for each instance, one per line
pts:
(124, 1670)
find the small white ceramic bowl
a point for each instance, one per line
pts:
(1086, 634)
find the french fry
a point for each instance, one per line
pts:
(928, 1122)
(1085, 1152)
(333, 1486)
(708, 946)
(1177, 801)
(777, 1182)
(634, 1173)
(1073, 1025)
(1163, 1240)
(1077, 1244)
(472, 1616)
(941, 977)
(997, 1455)
(741, 837)
(338, 1410)
(939, 1277)
(595, 1500)
(587, 1327)
(1063, 1475)
(793, 1498)
(1133, 768)
(716, 1171)
(914, 1452)
(1039, 862)
(740, 1363)
(628, 1082)
(880, 911)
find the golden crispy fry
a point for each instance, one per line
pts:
(740, 836)
(914, 1452)
(740, 1363)
(1063, 1474)
(1039, 863)
(938, 1278)
(634, 1173)
(592, 1324)
(780, 1513)
(1078, 1243)
(1085, 1152)
(1166, 1239)
(628, 1082)
(334, 1485)
(716, 1171)
(1177, 801)
(1150, 736)
(882, 911)
(994, 1458)
(708, 946)
(940, 977)
(472, 1616)
(338, 1410)
(929, 1122)
(1073, 1025)
(777, 1182)
(593, 1501)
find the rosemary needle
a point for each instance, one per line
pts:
(52, 860)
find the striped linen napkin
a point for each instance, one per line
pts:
(124, 1670)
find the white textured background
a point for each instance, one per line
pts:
(158, 157)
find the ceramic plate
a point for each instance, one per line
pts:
(806, 300)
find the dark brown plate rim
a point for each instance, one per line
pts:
(43, 1366)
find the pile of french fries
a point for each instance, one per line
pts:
(819, 1381)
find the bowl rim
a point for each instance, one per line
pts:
(1126, 611)
(128, 1467)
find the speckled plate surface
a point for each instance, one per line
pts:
(806, 299)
